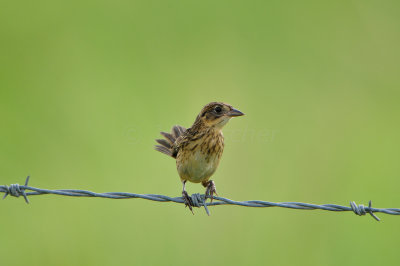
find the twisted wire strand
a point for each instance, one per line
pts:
(198, 200)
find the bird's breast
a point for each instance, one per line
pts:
(198, 160)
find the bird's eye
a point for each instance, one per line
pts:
(218, 109)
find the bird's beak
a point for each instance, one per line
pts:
(234, 112)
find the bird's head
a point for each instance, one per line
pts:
(217, 114)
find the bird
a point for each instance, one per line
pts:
(198, 149)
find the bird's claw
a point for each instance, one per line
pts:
(211, 190)
(187, 200)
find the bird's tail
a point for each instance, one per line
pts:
(166, 145)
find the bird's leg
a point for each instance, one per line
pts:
(211, 189)
(186, 199)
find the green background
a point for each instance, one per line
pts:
(86, 86)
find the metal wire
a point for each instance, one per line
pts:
(198, 200)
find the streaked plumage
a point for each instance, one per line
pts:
(198, 150)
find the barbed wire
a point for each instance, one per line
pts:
(198, 200)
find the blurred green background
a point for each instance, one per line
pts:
(86, 86)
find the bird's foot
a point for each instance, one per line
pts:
(187, 200)
(211, 190)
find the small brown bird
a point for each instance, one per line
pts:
(198, 150)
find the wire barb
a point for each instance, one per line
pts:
(362, 210)
(16, 190)
(198, 200)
